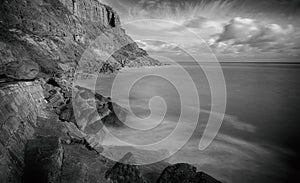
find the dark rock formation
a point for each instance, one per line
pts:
(81, 165)
(184, 173)
(43, 159)
(125, 171)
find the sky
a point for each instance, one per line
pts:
(233, 30)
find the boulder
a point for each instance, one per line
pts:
(22, 70)
(82, 166)
(125, 171)
(184, 173)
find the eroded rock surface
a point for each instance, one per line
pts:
(22, 70)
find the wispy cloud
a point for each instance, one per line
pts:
(200, 22)
(158, 46)
(170, 9)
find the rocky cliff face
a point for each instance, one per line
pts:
(51, 32)
(20, 106)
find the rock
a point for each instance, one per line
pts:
(22, 70)
(12, 124)
(56, 98)
(179, 173)
(205, 178)
(125, 171)
(43, 158)
(91, 106)
(81, 165)
(184, 173)
(67, 113)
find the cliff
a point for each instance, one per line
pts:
(50, 32)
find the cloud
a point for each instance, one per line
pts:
(250, 35)
(200, 22)
(158, 46)
(196, 22)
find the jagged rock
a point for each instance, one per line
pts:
(43, 159)
(54, 96)
(125, 171)
(67, 113)
(22, 70)
(93, 107)
(81, 165)
(179, 173)
(184, 173)
(90, 111)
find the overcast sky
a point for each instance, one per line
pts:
(241, 30)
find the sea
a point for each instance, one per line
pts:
(259, 137)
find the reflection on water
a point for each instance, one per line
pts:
(258, 140)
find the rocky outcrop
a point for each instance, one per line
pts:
(184, 173)
(50, 32)
(85, 111)
(125, 171)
